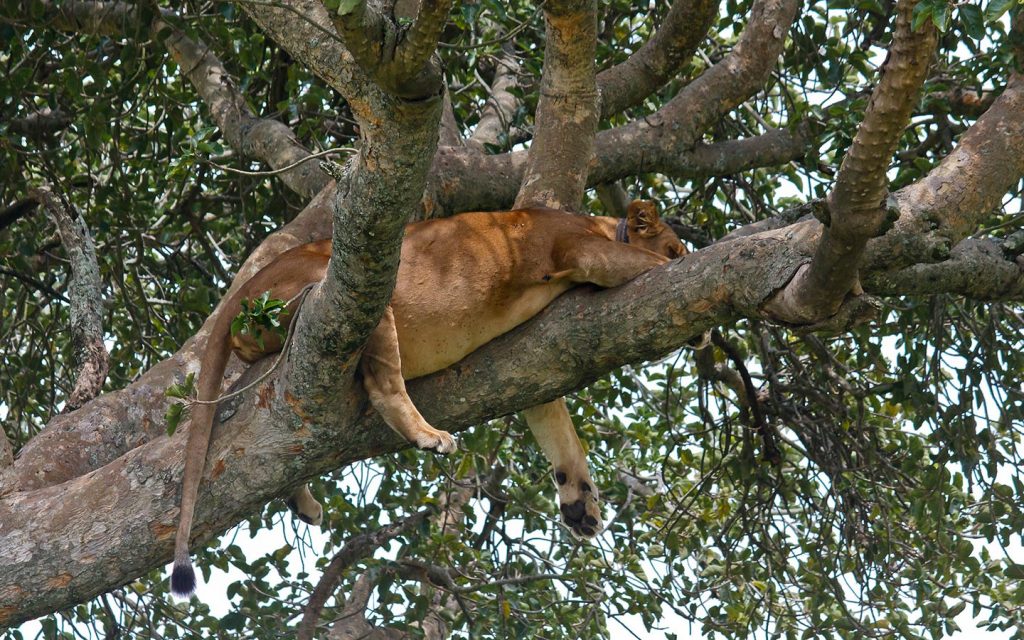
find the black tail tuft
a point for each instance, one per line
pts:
(183, 579)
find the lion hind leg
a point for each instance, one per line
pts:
(578, 497)
(381, 366)
(305, 506)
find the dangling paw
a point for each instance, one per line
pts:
(435, 440)
(579, 503)
(305, 507)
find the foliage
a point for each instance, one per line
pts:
(259, 315)
(895, 507)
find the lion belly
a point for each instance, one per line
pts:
(465, 280)
(432, 338)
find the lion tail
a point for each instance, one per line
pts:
(211, 376)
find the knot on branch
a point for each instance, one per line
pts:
(855, 310)
(1013, 245)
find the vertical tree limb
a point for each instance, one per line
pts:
(6, 451)
(399, 120)
(501, 103)
(567, 113)
(450, 135)
(857, 204)
(85, 292)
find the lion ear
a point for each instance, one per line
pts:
(642, 218)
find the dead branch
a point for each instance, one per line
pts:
(354, 550)
(85, 294)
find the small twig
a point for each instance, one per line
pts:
(35, 284)
(761, 426)
(274, 172)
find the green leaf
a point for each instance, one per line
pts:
(973, 22)
(173, 417)
(996, 8)
(1015, 571)
(346, 7)
(940, 17)
(921, 12)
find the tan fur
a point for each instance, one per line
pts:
(462, 281)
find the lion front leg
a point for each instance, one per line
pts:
(381, 366)
(578, 497)
(602, 262)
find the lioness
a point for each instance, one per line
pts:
(462, 281)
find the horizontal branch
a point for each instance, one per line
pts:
(958, 274)
(262, 450)
(41, 123)
(618, 153)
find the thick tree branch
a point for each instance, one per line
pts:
(85, 294)
(567, 114)
(856, 203)
(304, 29)
(732, 80)
(659, 59)
(398, 130)
(970, 182)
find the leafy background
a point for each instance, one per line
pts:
(895, 506)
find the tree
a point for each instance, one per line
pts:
(843, 459)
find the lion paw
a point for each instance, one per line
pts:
(580, 504)
(437, 441)
(305, 507)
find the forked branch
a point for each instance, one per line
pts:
(399, 58)
(857, 205)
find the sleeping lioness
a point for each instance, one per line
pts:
(462, 281)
